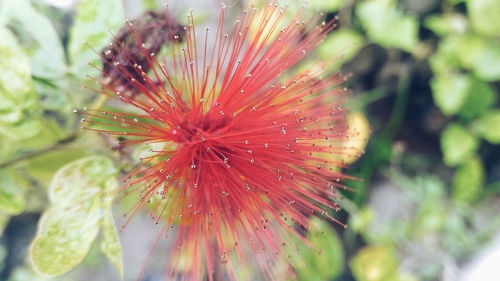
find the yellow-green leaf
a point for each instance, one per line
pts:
(110, 244)
(450, 92)
(81, 194)
(457, 144)
(468, 181)
(374, 263)
(488, 126)
(64, 236)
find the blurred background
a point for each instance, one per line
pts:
(425, 82)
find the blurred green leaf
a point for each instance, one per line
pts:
(53, 93)
(64, 236)
(470, 51)
(326, 6)
(445, 24)
(388, 26)
(457, 145)
(443, 63)
(67, 230)
(44, 166)
(374, 263)
(47, 57)
(450, 92)
(149, 5)
(49, 133)
(11, 196)
(468, 181)
(483, 15)
(328, 264)
(110, 244)
(6, 147)
(24, 129)
(487, 64)
(91, 24)
(361, 220)
(480, 98)
(466, 47)
(16, 87)
(488, 126)
(344, 43)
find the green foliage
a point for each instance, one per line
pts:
(445, 24)
(387, 26)
(81, 194)
(468, 181)
(344, 43)
(42, 71)
(47, 54)
(488, 126)
(374, 263)
(480, 98)
(325, 260)
(43, 167)
(17, 95)
(483, 15)
(93, 20)
(450, 92)
(458, 145)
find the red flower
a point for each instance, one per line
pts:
(244, 159)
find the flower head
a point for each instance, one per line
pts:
(245, 147)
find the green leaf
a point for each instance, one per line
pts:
(329, 262)
(388, 26)
(457, 145)
(374, 263)
(443, 63)
(480, 98)
(47, 56)
(16, 87)
(488, 126)
(445, 24)
(483, 15)
(361, 221)
(487, 64)
(470, 51)
(110, 244)
(450, 92)
(343, 44)
(325, 6)
(468, 181)
(24, 129)
(467, 48)
(81, 180)
(66, 231)
(49, 133)
(44, 166)
(92, 21)
(64, 236)
(11, 196)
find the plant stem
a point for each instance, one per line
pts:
(29, 155)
